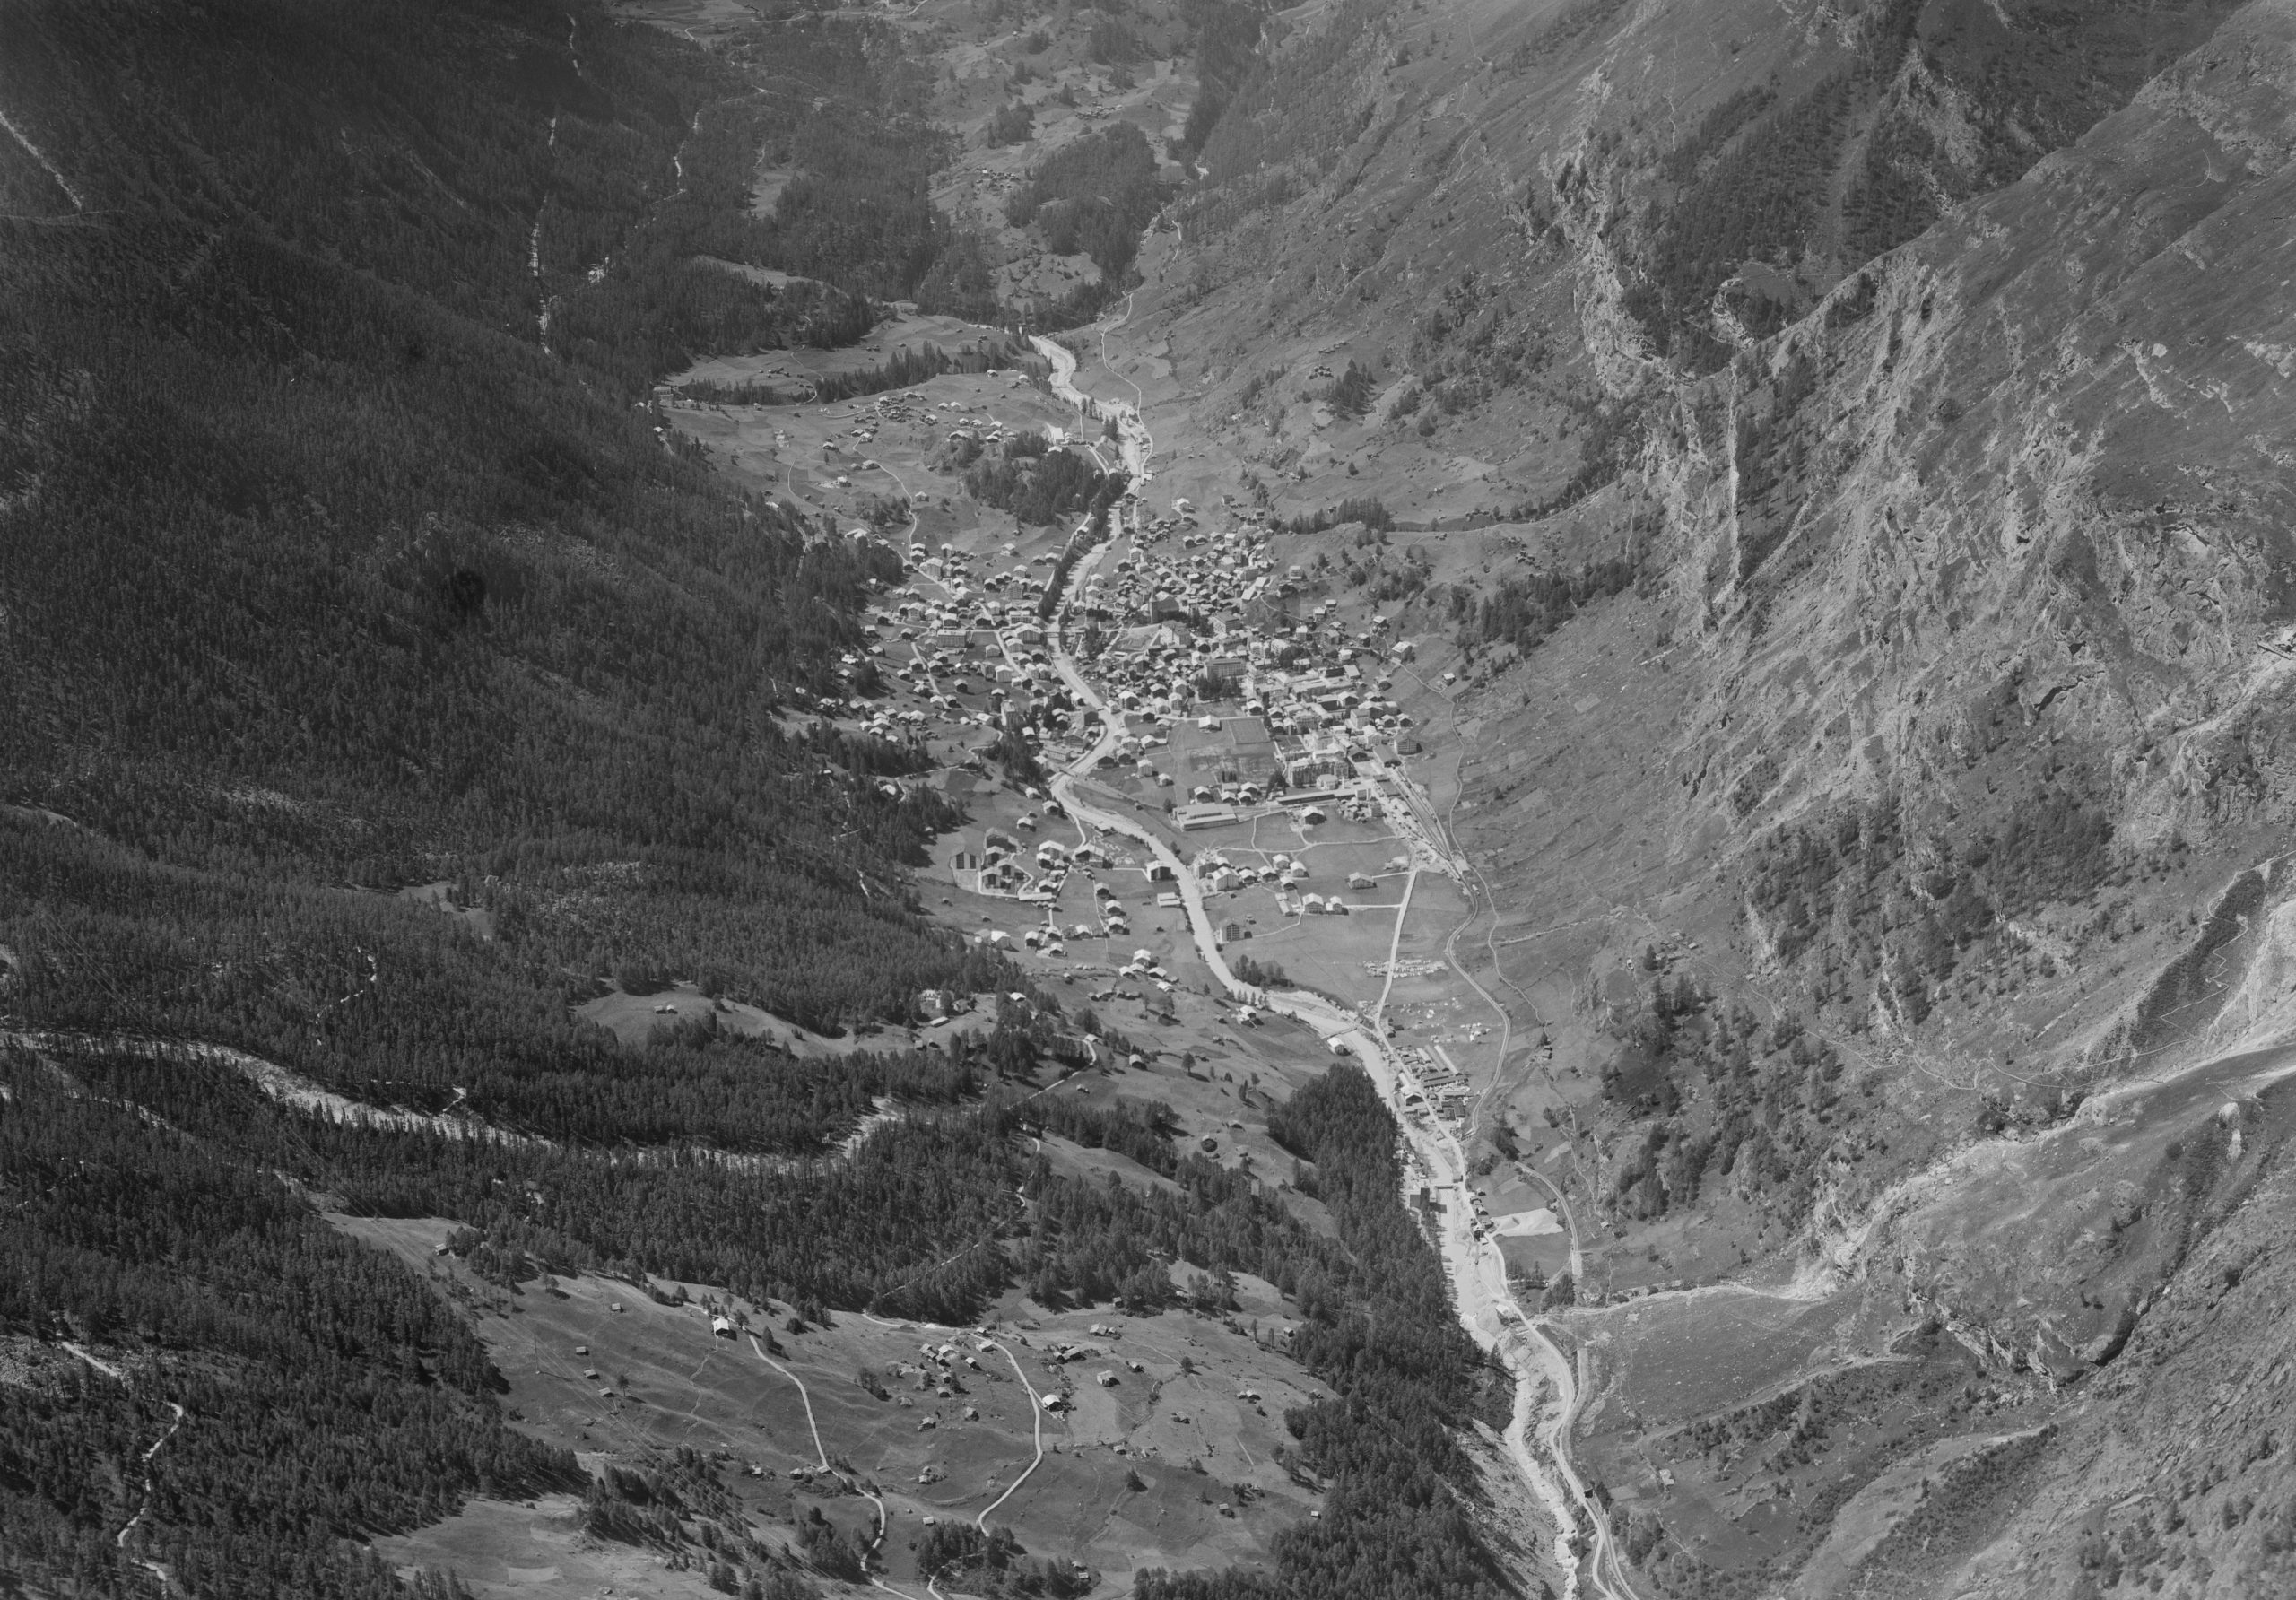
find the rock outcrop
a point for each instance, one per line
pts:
(1954, 706)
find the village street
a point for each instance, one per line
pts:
(1477, 1269)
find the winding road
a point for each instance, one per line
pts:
(1036, 1424)
(1486, 1305)
(822, 1452)
(1036, 1421)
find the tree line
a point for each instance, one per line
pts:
(140, 1248)
(1522, 612)
(1396, 1516)
(327, 1394)
(1092, 196)
(1038, 482)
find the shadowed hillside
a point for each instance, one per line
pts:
(334, 560)
(1767, 525)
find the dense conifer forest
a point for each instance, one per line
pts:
(339, 574)
(1038, 484)
(1093, 196)
(1397, 1516)
(162, 1199)
(335, 559)
(342, 555)
(363, 1410)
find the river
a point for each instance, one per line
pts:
(1485, 1303)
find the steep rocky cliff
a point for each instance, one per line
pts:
(1922, 380)
(2002, 530)
(2039, 456)
(1967, 577)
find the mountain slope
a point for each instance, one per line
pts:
(334, 562)
(1866, 554)
(321, 564)
(2017, 488)
(385, 684)
(1833, 461)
